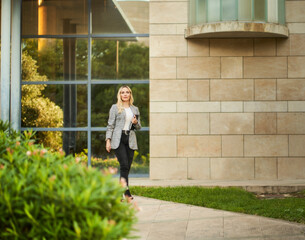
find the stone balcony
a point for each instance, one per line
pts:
(236, 29)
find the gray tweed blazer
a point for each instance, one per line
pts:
(116, 124)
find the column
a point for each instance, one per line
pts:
(5, 59)
(16, 66)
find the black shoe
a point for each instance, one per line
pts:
(128, 194)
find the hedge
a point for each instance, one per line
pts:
(47, 195)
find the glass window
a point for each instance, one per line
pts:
(201, 11)
(192, 12)
(140, 163)
(70, 142)
(119, 59)
(213, 10)
(104, 95)
(229, 10)
(281, 11)
(57, 59)
(113, 16)
(53, 17)
(244, 10)
(272, 11)
(54, 106)
(259, 10)
(98, 146)
(52, 58)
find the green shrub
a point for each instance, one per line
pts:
(100, 163)
(139, 169)
(114, 163)
(137, 166)
(141, 159)
(46, 195)
(38, 110)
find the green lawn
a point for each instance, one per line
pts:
(230, 199)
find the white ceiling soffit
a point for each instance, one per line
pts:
(123, 15)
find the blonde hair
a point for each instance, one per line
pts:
(120, 102)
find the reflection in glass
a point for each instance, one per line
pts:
(70, 142)
(53, 17)
(244, 10)
(113, 59)
(214, 11)
(201, 11)
(103, 96)
(141, 157)
(241, 10)
(192, 13)
(58, 59)
(54, 106)
(99, 146)
(112, 16)
(229, 10)
(281, 11)
(259, 10)
(272, 15)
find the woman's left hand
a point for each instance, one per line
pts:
(134, 120)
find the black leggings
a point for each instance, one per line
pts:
(125, 156)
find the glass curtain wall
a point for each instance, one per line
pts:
(76, 54)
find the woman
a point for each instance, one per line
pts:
(124, 118)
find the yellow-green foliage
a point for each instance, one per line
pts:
(98, 162)
(45, 195)
(38, 110)
(136, 167)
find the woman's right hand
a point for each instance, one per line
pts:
(108, 145)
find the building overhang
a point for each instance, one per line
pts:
(237, 29)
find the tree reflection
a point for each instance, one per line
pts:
(110, 60)
(132, 60)
(38, 110)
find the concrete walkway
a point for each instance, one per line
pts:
(161, 220)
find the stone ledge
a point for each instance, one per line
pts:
(255, 186)
(236, 29)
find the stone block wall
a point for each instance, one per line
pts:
(226, 108)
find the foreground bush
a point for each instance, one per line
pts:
(46, 195)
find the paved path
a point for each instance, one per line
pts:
(161, 220)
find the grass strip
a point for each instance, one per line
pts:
(230, 199)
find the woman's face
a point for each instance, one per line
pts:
(125, 95)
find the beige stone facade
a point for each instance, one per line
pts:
(226, 108)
